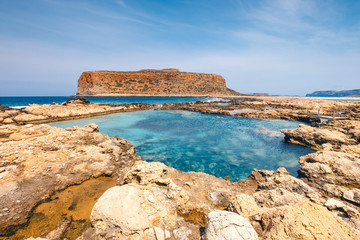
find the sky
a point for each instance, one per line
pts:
(280, 47)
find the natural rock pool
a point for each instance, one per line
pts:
(214, 144)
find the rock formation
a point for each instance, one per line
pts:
(39, 160)
(166, 82)
(71, 109)
(159, 202)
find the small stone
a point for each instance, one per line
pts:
(352, 195)
(333, 204)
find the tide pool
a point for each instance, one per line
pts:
(214, 144)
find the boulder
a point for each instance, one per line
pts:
(224, 225)
(134, 212)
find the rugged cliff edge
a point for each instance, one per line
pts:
(165, 82)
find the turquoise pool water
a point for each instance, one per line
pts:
(214, 144)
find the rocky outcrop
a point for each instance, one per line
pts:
(38, 160)
(166, 82)
(315, 137)
(299, 109)
(159, 202)
(71, 109)
(336, 133)
(304, 220)
(337, 163)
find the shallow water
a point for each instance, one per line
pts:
(214, 144)
(73, 204)
(24, 101)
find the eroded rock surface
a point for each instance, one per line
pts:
(166, 203)
(335, 168)
(71, 109)
(223, 225)
(162, 200)
(38, 160)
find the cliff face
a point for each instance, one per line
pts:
(169, 82)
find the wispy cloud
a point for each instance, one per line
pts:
(299, 23)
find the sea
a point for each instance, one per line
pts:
(19, 102)
(191, 141)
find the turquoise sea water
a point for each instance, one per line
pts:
(24, 101)
(191, 141)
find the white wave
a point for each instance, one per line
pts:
(216, 99)
(18, 107)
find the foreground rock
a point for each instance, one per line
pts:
(222, 225)
(163, 202)
(335, 168)
(159, 202)
(38, 160)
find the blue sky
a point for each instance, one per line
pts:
(275, 46)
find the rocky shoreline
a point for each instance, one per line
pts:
(154, 201)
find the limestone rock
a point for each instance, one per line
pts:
(349, 214)
(73, 108)
(280, 188)
(304, 220)
(315, 137)
(134, 212)
(23, 117)
(194, 194)
(38, 160)
(333, 204)
(352, 195)
(228, 225)
(8, 121)
(119, 211)
(331, 167)
(244, 205)
(163, 202)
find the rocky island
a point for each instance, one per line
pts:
(132, 199)
(149, 82)
(343, 93)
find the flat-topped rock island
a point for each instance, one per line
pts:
(150, 82)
